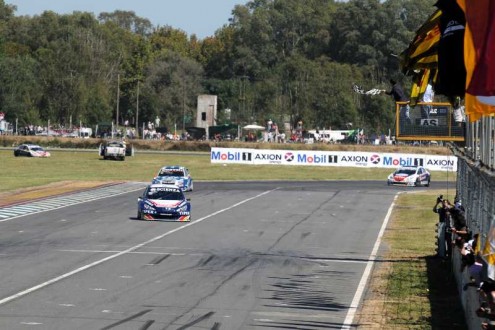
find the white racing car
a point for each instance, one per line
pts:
(31, 150)
(176, 175)
(410, 176)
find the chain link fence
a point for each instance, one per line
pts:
(476, 190)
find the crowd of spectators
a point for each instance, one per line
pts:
(453, 233)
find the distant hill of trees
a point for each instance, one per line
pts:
(287, 60)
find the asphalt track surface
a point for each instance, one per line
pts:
(256, 255)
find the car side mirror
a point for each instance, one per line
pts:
(188, 199)
(139, 199)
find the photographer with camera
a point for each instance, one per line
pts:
(442, 207)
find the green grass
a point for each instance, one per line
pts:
(21, 172)
(420, 290)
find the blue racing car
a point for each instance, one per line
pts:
(176, 175)
(163, 202)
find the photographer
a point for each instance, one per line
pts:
(444, 237)
(439, 208)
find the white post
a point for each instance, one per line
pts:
(137, 110)
(118, 98)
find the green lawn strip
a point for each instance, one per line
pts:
(21, 172)
(420, 291)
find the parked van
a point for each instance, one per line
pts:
(85, 132)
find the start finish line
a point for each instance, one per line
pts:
(331, 158)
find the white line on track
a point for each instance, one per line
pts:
(129, 250)
(367, 271)
(134, 252)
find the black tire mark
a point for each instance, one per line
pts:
(213, 292)
(130, 318)
(157, 260)
(204, 317)
(147, 324)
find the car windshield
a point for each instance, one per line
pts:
(115, 144)
(405, 171)
(164, 194)
(169, 172)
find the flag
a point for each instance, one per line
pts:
(451, 80)
(488, 252)
(420, 59)
(420, 81)
(478, 15)
(423, 50)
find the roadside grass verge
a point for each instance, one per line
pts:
(21, 172)
(410, 288)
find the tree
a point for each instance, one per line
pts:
(171, 87)
(19, 89)
(128, 20)
(278, 59)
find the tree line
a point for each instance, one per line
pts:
(287, 60)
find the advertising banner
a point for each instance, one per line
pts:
(331, 158)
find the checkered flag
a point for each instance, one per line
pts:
(360, 90)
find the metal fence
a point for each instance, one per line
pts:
(476, 174)
(427, 122)
(480, 141)
(476, 189)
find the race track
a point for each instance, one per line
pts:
(257, 255)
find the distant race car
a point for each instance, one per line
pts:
(176, 175)
(30, 150)
(410, 176)
(163, 202)
(113, 150)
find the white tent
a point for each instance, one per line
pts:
(253, 127)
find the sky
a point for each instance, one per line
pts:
(199, 17)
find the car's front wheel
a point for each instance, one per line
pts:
(139, 216)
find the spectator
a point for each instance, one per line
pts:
(398, 94)
(428, 96)
(487, 310)
(459, 223)
(459, 112)
(441, 208)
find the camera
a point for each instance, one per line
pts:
(440, 199)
